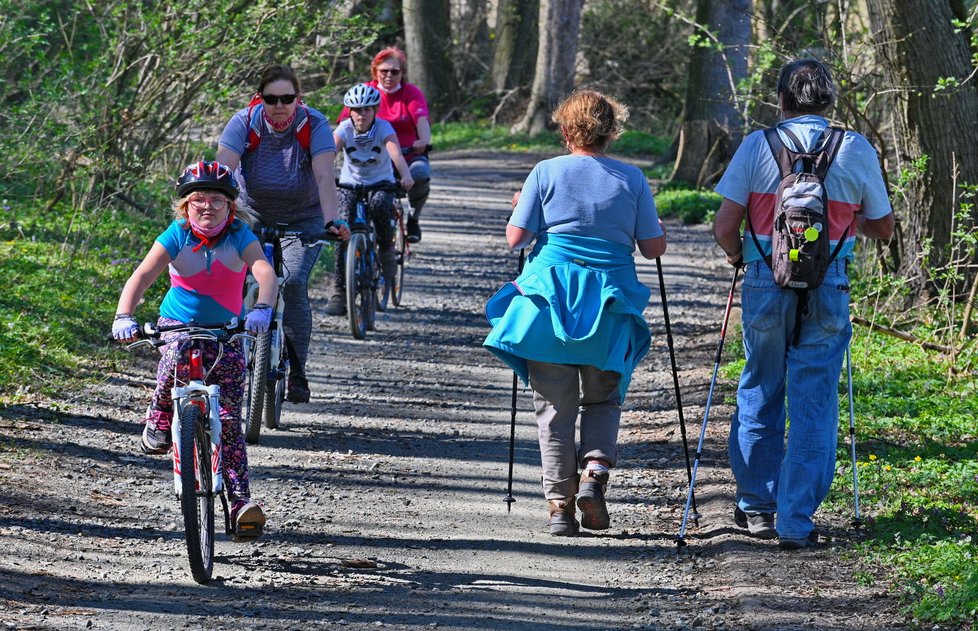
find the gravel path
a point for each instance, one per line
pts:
(385, 493)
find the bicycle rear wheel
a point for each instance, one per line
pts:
(197, 496)
(259, 385)
(358, 292)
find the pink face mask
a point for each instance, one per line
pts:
(208, 232)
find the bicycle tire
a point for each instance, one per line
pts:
(357, 284)
(274, 396)
(275, 388)
(259, 382)
(400, 248)
(197, 497)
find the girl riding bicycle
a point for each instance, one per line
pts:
(208, 248)
(369, 147)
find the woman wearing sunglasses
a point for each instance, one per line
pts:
(403, 105)
(286, 152)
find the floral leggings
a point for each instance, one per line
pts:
(229, 375)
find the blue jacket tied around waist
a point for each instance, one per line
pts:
(578, 301)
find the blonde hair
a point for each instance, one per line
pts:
(590, 120)
(241, 212)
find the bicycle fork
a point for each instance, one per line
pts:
(207, 398)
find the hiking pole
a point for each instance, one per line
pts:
(675, 380)
(857, 522)
(509, 499)
(681, 539)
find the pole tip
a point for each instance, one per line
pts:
(680, 543)
(509, 499)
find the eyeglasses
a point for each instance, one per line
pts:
(275, 99)
(393, 71)
(217, 203)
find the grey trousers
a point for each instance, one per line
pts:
(560, 391)
(298, 262)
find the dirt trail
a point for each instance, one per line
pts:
(398, 465)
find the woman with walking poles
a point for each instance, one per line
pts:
(794, 341)
(571, 324)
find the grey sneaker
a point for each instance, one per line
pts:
(590, 499)
(157, 437)
(790, 543)
(760, 525)
(562, 522)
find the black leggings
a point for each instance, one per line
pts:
(380, 210)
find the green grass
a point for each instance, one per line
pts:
(481, 135)
(59, 284)
(917, 462)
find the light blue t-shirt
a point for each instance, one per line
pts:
(206, 285)
(278, 178)
(365, 157)
(588, 196)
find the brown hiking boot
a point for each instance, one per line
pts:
(562, 522)
(590, 499)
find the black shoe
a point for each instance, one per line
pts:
(787, 543)
(413, 231)
(337, 304)
(590, 499)
(298, 389)
(157, 435)
(760, 525)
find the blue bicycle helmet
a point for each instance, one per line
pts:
(362, 95)
(209, 176)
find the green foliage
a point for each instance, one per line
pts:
(918, 473)
(121, 88)
(690, 205)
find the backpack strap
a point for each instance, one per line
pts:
(303, 129)
(783, 159)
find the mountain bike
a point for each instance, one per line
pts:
(363, 272)
(267, 357)
(198, 470)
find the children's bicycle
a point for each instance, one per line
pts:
(363, 271)
(267, 357)
(198, 470)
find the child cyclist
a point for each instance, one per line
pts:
(369, 147)
(208, 248)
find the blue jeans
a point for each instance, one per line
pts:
(772, 477)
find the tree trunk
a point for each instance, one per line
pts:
(515, 44)
(935, 129)
(712, 125)
(553, 79)
(427, 34)
(470, 34)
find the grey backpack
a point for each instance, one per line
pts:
(800, 252)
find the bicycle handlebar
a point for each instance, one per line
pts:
(368, 188)
(406, 151)
(266, 233)
(150, 334)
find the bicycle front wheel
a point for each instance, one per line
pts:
(259, 385)
(396, 284)
(358, 291)
(197, 494)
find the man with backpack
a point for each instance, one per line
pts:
(803, 190)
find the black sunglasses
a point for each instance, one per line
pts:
(275, 99)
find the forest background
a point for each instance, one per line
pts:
(102, 103)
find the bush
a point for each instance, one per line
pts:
(690, 205)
